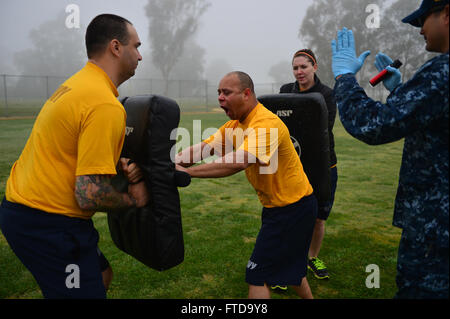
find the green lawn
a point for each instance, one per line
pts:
(221, 219)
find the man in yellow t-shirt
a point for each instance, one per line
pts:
(257, 141)
(63, 175)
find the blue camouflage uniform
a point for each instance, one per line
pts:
(417, 111)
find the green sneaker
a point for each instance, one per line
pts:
(318, 268)
(277, 287)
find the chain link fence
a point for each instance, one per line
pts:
(23, 95)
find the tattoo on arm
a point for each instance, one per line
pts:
(95, 192)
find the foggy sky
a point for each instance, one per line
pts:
(252, 35)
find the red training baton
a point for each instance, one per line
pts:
(380, 76)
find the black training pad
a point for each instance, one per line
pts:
(153, 234)
(306, 117)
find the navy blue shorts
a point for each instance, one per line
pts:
(281, 250)
(61, 252)
(325, 209)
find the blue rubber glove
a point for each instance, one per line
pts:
(394, 79)
(344, 58)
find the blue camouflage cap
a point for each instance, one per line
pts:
(417, 16)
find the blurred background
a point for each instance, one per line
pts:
(189, 45)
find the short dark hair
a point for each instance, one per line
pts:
(245, 80)
(104, 28)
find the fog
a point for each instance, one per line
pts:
(251, 35)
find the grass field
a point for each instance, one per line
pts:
(31, 107)
(221, 219)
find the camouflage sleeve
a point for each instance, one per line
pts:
(410, 107)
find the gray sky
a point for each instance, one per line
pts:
(251, 35)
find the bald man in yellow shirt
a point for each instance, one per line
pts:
(257, 141)
(64, 173)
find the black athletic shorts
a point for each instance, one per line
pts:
(325, 209)
(61, 252)
(281, 250)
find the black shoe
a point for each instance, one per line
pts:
(278, 287)
(318, 268)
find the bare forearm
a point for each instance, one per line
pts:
(212, 170)
(95, 192)
(227, 165)
(193, 154)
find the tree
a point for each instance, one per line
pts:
(402, 41)
(56, 50)
(281, 72)
(324, 18)
(216, 70)
(190, 65)
(186, 77)
(6, 61)
(392, 37)
(172, 23)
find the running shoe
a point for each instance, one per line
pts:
(318, 268)
(278, 287)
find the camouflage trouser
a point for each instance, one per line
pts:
(422, 270)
